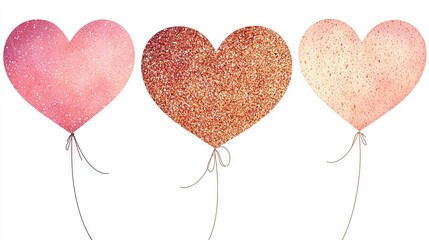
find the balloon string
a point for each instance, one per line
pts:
(362, 140)
(212, 165)
(69, 146)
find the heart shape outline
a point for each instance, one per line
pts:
(362, 80)
(216, 95)
(69, 82)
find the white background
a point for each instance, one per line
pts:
(278, 185)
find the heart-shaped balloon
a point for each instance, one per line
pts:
(69, 82)
(361, 81)
(216, 95)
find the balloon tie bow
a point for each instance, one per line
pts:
(217, 158)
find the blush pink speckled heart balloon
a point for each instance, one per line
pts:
(69, 82)
(361, 81)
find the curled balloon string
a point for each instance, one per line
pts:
(362, 140)
(212, 165)
(69, 145)
(71, 141)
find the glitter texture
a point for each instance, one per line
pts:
(69, 82)
(216, 95)
(361, 81)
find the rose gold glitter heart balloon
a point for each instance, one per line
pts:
(216, 95)
(361, 81)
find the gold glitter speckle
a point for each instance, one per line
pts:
(216, 95)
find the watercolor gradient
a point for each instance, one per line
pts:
(69, 82)
(362, 80)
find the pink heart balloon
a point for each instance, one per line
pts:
(69, 82)
(361, 81)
